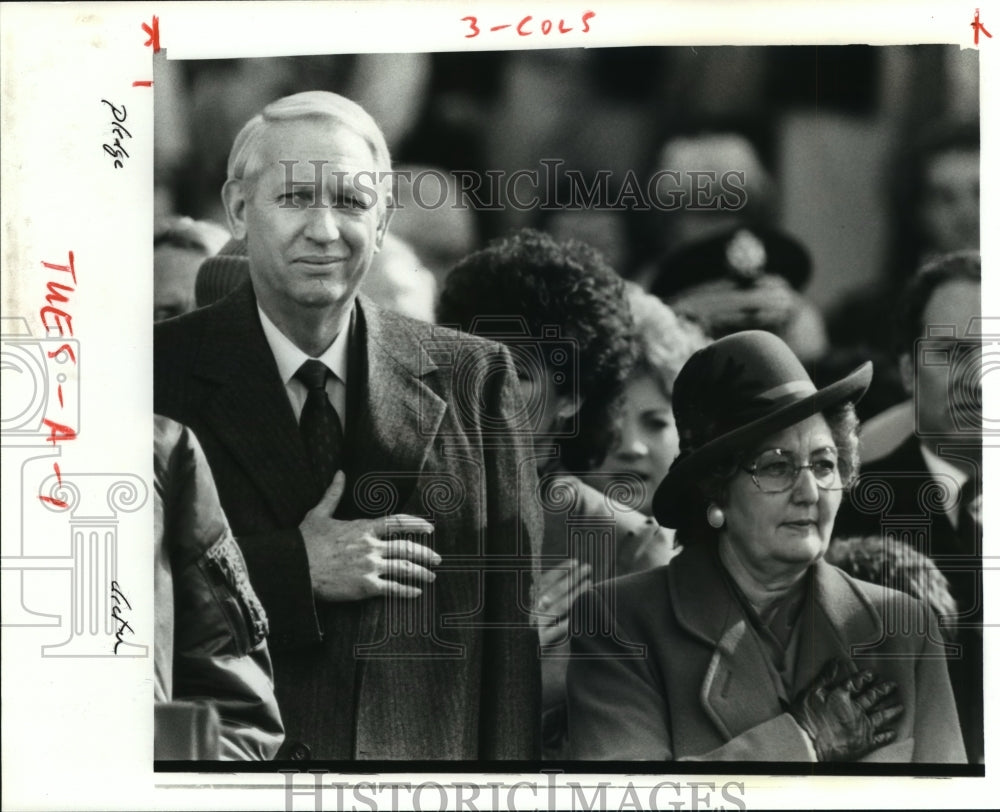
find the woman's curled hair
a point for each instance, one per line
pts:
(564, 294)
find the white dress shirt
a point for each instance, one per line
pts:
(289, 358)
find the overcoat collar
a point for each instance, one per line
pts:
(738, 691)
(393, 413)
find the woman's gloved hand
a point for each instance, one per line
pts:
(846, 715)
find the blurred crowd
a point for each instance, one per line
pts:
(866, 158)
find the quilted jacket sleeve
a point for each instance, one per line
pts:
(219, 629)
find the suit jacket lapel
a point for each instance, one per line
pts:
(393, 416)
(908, 475)
(248, 410)
(738, 691)
(392, 421)
(838, 621)
(965, 538)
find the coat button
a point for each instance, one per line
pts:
(299, 752)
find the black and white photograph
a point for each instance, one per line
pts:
(679, 278)
(598, 416)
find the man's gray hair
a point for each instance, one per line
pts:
(245, 156)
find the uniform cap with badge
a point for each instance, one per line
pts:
(744, 278)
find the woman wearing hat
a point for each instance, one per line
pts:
(748, 645)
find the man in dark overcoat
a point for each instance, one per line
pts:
(373, 468)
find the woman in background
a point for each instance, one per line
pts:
(562, 312)
(646, 439)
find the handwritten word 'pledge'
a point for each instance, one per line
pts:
(528, 26)
(115, 149)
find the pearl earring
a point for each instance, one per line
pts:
(716, 518)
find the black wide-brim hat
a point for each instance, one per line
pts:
(730, 396)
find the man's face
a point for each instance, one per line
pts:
(949, 210)
(945, 378)
(311, 241)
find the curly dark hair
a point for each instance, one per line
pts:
(547, 287)
(714, 486)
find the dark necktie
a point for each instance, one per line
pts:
(319, 425)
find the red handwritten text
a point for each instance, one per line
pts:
(153, 32)
(54, 317)
(58, 433)
(977, 27)
(528, 26)
(66, 348)
(59, 503)
(63, 320)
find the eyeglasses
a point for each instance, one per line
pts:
(777, 470)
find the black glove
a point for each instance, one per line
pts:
(846, 716)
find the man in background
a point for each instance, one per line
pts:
(180, 244)
(927, 490)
